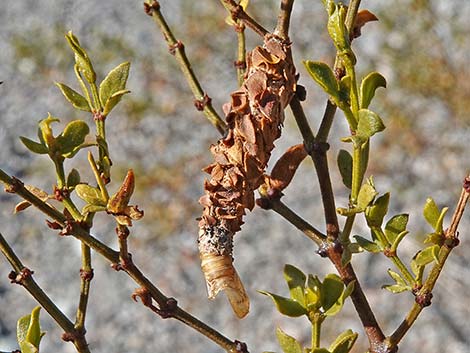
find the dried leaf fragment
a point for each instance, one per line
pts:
(362, 17)
(286, 166)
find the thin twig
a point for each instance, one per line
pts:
(238, 13)
(122, 232)
(241, 57)
(202, 102)
(353, 8)
(23, 276)
(425, 292)
(317, 151)
(86, 275)
(283, 19)
(14, 185)
(310, 231)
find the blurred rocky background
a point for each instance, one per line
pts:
(421, 47)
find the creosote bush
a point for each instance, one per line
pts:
(253, 120)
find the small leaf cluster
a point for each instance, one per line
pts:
(72, 140)
(65, 145)
(98, 200)
(111, 89)
(343, 91)
(315, 299)
(386, 238)
(28, 332)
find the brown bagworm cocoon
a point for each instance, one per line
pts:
(255, 116)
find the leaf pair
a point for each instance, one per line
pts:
(309, 295)
(111, 89)
(66, 145)
(435, 219)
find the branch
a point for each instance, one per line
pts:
(86, 275)
(241, 57)
(14, 185)
(353, 8)
(423, 297)
(202, 102)
(23, 276)
(283, 19)
(279, 207)
(317, 148)
(238, 13)
(317, 151)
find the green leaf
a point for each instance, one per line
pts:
(440, 220)
(46, 131)
(369, 85)
(114, 82)
(376, 213)
(367, 244)
(435, 238)
(34, 331)
(397, 240)
(73, 178)
(27, 347)
(113, 101)
(427, 255)
(324, 76)
(313, 290)
(288, 343)
(331, 290)
(33, 146)
(344, 342)
(418, 270)
(366, 195)
(338, 305)
(431, 212)
(81, 58)
(286, 306)
(73, 136)
(397, 278)
(369, 124)
(337, 28)
(75, 98)
(396, 288)
(295, 279)
(395, 226)
(345, 167)
(93, 209)
(90, 195)
(29, 333)
(22, 328)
